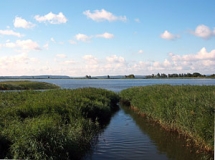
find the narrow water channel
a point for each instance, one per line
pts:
(130, 136)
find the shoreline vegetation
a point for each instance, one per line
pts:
(130, 76)
(187, 110)
(26, 85)
(62, 123)
(53, 124)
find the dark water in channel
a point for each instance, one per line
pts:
(129, 136)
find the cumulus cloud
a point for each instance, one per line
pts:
(204, 32)
(16, 64)
(105, 35)
(90, 59)
(52, 18)
(8, 32)
(102, 15)
(115, 59)
(19, 22)
(86, 38)
(200, 56)
(82, 37)
(168, 36)
(23, 44)
(202, 61)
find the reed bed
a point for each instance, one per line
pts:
(54, 124)
(26, 85)
(186, 109)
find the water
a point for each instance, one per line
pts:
(129, 136)
(119, 84)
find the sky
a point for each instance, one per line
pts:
(106, 37)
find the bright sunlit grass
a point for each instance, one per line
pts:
(186, 109)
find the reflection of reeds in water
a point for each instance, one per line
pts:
(172, 144)
(54, 124)
(188, 110)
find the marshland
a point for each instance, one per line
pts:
(83, 121)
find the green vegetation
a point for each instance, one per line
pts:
(26, 85)
(180, 75)
(130, 76)
(54, 124)
(188, 110)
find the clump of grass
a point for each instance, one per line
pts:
(26, 85)
(54, 124)
(186, 109)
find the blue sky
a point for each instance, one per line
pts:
(106, 37)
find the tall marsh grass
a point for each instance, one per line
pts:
(54, 124)
(26, 85)
(187, 109)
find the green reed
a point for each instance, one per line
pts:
(54, 124)
(26, 85)
(186, 109)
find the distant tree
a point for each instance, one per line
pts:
(108, 76)
(158, 75)
(189, 75)
(196, 74)
(88, 77)
(130, 76)
(163, 75)
(212, 76)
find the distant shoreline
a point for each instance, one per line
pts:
(194, 75)
(19, 78)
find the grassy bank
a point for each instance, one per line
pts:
(54, 124)
(26, 85)
(188, 110)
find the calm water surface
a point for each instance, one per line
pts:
(129, 136)
(119, 84)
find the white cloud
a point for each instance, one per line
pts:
(140, 51)
(82, 37)
(168, 36)
(8, 32)
(61, 56)
(53, 40)
(19, 22)
(102, 15)
(90, 59)
(52, 18)
(137, 20)
(69, 62)
(17, 64)
(200, 56)
(105, 35)
(46, 46)
(23, 44)
(115, 59)
(204, 32)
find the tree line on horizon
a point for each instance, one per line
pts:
(175, 75)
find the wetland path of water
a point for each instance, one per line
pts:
(129, 136)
